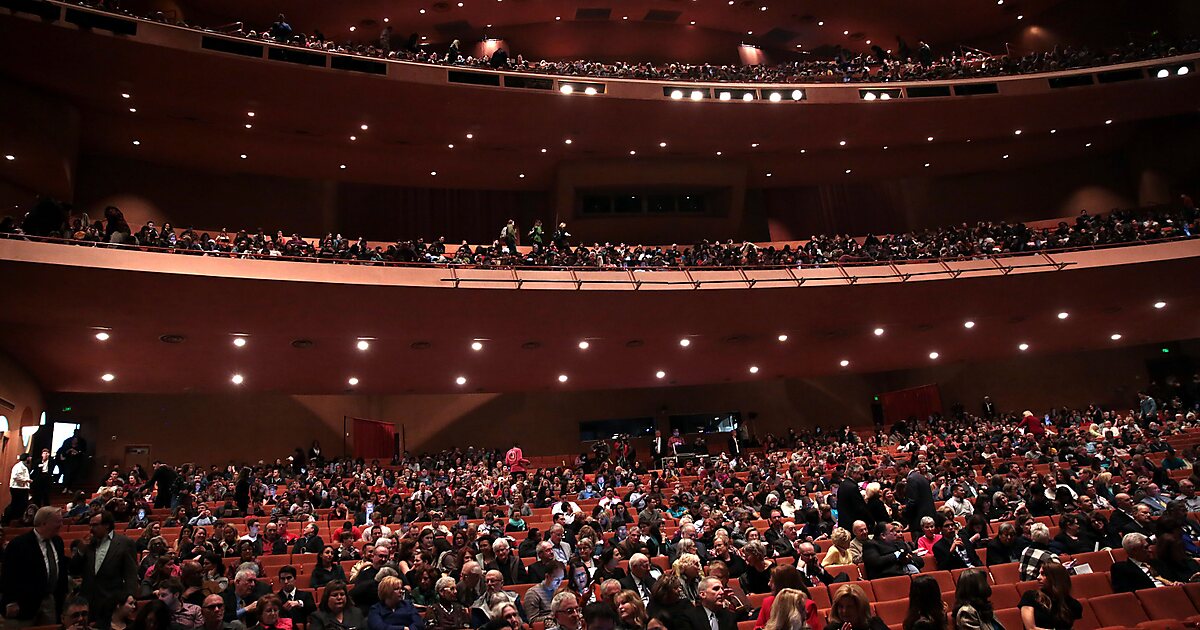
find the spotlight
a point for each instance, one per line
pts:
(660, 374)
(844, 363)
(1182, 70)
(747, 97)
(584, 345)
(237, 379)
(352, 381)
(1064, 315)
(363, 344)
(239, 342)
(775, 97)
(662, 145)
(102, 336)
(124, 95)
(783, 337)
(797, 95)
(934, 355)
(869, 96)
(566, 89)
(476, 346)
(685, 342)
(754, 369)
(676, 94)
(697, 95)
(968, 324)
(878, 332)
(1023, 347)
(885, 97)
(724, 96)
(1156, 305)
(1115, 336)
(590, 91)
(562, 378)
(363, 126)
(462, 380)
(107, 378)
(1163, 73)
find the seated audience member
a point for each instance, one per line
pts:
(710, 610)
(631, 611)
(1037, 553)
(183, 614)
(153, 615)
(1004, 548)
(270, 614)
(788, 611)
(815, 574)
(973, 602)
(930, 535)
(122, 616)
(668, 604)
(295, 604)
(756, 578)
(887, 556)
(565, 612)
(1050, 606)
(1138, 570)
(75, 615)
(852, 611)
(327, 569)
(447, 613)
(640, 579)
(213, 610)
(784, 578)
(952, 551)
(840, 552)
(598, 616)
(926, 609)
(241, 598)
(336, 612)
(538, 598)
(393, 610)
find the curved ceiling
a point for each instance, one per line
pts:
(420, 336)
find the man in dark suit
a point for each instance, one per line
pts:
(241, 597)
(164, 478)
(952, 552)
(710, 612)
(109, 569)
(297, 604)
(1138, 571)
(1005, 547)
(887, 556)
(850, 502)
(309, 541)
(920, 499)
(810, 567)
(42, 475)
(640, 579)
(33, 579)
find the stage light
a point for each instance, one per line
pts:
(685, 342)
(782, 337)
(102, 336)
(590, 91)
(562, 378)
(239, 342)
(1182, 70)
(885, 97)
(697, 95)
(775, 97)
(844, 363)
(1115, 336)
(584, 345)
(1023, 347)
(660, 374)
(724, 96)
(869, 96)
(1064, 315)
(878, 332)
(797, 95)
(934, 355)
(748, 96)
(968, 324)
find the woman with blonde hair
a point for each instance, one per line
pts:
(788, 610)
(839, 553)
(687, 569)
(631, 612)
(852, 611)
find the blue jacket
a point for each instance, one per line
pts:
(404, 615)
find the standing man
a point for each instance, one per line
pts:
(109, 568)
(515, 460)
(164, 478)
(32, 586)
(42, 477)
(18, 488)
(657, 448)
(850, 502)
(920, 499)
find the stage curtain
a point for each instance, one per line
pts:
(373, 439)
(917, 402)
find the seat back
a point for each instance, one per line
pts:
(1091, 585)
(1009, 618)
(892, 612)
(1099, 561)
(1166, 603)
(1007, 573)
(1005, 596)
(891, 588)
(1120, 609)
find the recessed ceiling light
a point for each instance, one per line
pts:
(1160, 305)
(844, 363)
(749, 32)
(845, 32)
(768, 174)
(136, 143)
(352, 381)
(568, 141)
(927, 165)
(557, 18)
(718, 153)
(353, 138)
(107, 378)
(625, 17)
(584, 345)
(10, 157)
(685, 342)
(239, 342)
(1018, 132)
(1053, 131)
(562, 378)
(342, 166)
(632, 152)
(934, 355)
(841, 143)
(462, 380)
(363, 126)
(748, 97)
(433, 173)
(1108, 122)
(753, 145)
(589, 90)
(521, 176)
(847, 171)
(1005, 156)
(782, 337)
(1115, 336)
(929, 139)
(353, 28)
(250, 114)
(662, 145)
(249, 126)
(1023, 347)
(878, 331)
(124, 95)
(697, 95)
(1020, 17)
(821, 23)
(363, 344)
(386, 20)
(237, 379)
(775, 97)
(660, 374)
(476, 346)
(968, 324)
(544, 150)
(754, 369)
(693, 22)
(1087, 145)
(102, 336)
(470, 136)
(243, 156)
(132, 110)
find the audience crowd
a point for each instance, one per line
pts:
(440, 540)
(1120, 227)
(905, 63)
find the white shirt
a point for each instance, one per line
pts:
(102, 551)
(19, 479)
(45, 553)
(1148, 571)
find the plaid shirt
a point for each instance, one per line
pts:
(1032, 560)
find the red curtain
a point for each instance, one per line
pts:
(918, 401)
(373, 439)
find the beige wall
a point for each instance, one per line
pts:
(240, 427)
(17, 387)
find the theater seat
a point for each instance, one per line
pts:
(820, 596)
(866, 587)
(850, 570)
(1091, 585)
(1120, 609)
(755, 600)
(746, 625)
(1167, 603)
(1193, 592)
(1030, 585)
(892, 612)
(891, 588)
(1005, 596)
(944, 579)
(1008, 573)
(1010, 618)
(1099, 561)
(1088, 621)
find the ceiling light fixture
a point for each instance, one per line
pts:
(685, 342)
(363, 126)
(568, 141)
(124, 95)
(107, 378)
(782, 337)
(239, 342)
(968, 324)
(562, 378)
(662, 145)
(566, 88)
(132, 110)
(249, 126)
(841, 143)
(632, 152)
(660, 374)
(1063, 315)
(237, 379)
(878, 332)
(352, 381)
(462, 380)
(433, 173)
(1023, 347)
(136, 143)
(1160, 305)
(697, 95)
(476, 346)
(934, 355)
(1115, 336)
(342, 166)
(102, 336)
(844, 363)
(754, 369)
(676, 94)
(363, 344)
(250, 114)
(243, 156)
(584, 345)
(589, 90)
(470, 136)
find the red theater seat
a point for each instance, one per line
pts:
(891, 588)
(1121, 609)
(1091, 585)
(1099, 561)
(1008, 573)
(1167, 603)
(1005, 596)
(892, 612)
(1010, 618)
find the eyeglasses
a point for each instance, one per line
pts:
(574, 610)
(215, 606)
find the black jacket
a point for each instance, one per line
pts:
(1127, 577)
(879, 559)
(23, 578)
(117, 576)
(920, 500)
(298, 614)
(698, 618)
(947, 560)
(851, 506)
